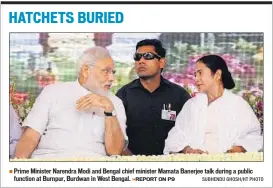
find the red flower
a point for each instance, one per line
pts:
(19, 97)
(44, 80)
(194, 94)
(260, 105)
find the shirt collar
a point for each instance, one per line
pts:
(81, 88)
(137, 84)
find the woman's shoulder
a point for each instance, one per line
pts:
(198, 98)
(236, 99)
(229, 97)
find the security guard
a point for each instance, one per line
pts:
(151, 102)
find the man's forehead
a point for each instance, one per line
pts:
(105, 62)
(148, 48)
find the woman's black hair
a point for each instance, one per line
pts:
(214, 63)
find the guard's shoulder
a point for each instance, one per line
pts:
(127, 86)
(175, 86)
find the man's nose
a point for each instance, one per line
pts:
(111, 77)
(141, 61)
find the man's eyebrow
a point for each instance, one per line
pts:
(107, 67)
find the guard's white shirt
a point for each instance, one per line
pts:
(235, 124)
(65, 131)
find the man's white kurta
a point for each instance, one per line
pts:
(235, 124)
(65, 131)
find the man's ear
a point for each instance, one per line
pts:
(162, 63)
(84, 73)
(86, 70)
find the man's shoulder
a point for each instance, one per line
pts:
(175, 86)
(59, 87)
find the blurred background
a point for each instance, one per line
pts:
(39, 59)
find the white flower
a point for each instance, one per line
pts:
(22, 112)
(252, 98)
(27, 103)
(28, 110)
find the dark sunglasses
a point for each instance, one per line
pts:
(146, 56)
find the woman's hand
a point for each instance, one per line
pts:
(236, 149)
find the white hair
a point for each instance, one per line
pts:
(91, 56)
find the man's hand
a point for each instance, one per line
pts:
(91, 100)
(236, 149)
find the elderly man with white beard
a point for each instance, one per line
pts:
(77, 119)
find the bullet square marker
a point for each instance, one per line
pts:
(10, 171)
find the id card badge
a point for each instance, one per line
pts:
(168, 115)
(172, 115)
(164, 114)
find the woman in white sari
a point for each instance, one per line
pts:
(215, 120)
